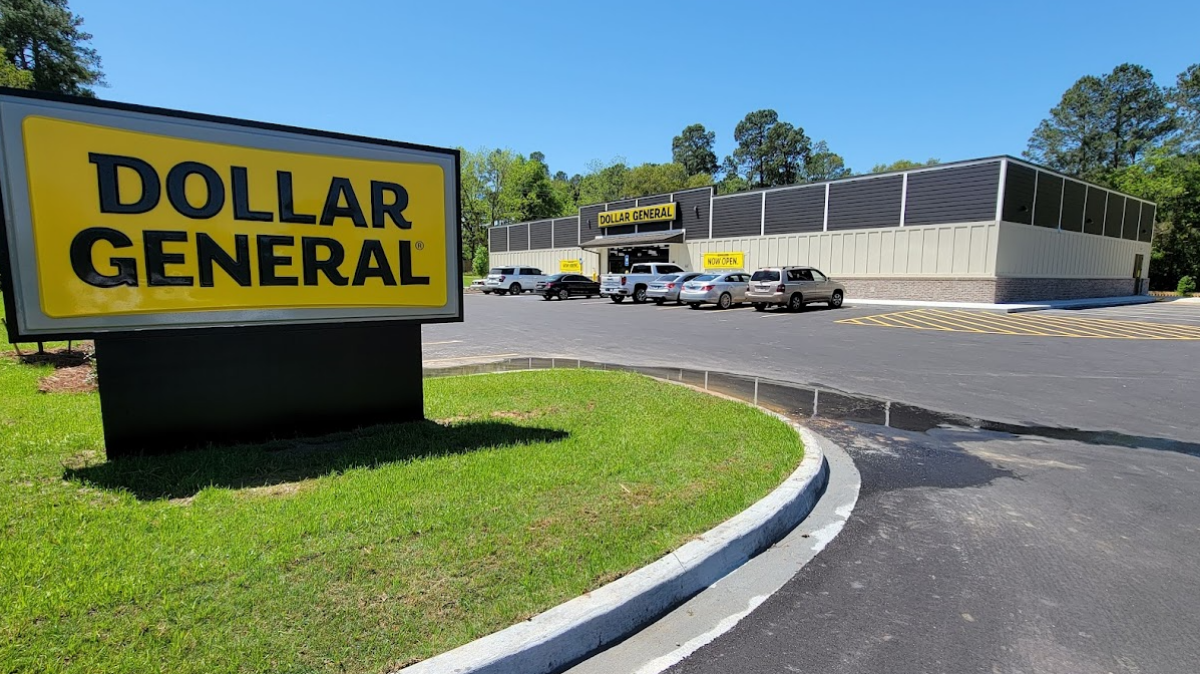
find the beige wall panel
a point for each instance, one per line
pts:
(1028, 251)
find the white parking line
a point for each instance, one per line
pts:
(442, 342)
(597, 302)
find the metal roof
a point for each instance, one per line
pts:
(636, 239)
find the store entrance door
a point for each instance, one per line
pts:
(620, 259)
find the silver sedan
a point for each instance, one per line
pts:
(667, 287)
(723, 290)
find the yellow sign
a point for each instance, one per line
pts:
(570, 266)
(122, 222)
(731, 260)
(640, 214)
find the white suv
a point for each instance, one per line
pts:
(515, 280)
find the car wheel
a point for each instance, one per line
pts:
(618, 298)
(760, 307)
(547, 296)
(589, 296)
(694, 305)
(500, 292)
(563, 294)
(639, 294)
(796, 303)
(487, 292)
(515, 289)
(835, 300)
(725, 301)
(658, 301)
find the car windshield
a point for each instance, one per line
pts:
(668, 277)
(501, 270)
(765, 275)
(705, 277)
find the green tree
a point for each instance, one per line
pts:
(652, 179)
(789, 151)
(46, 39)
(1172, 180)
(531, 191)
(824, 165)
(694, 150)
(903, 165)
(1186, 98)
(730, 181)
(479, 263)
(1103, 124)
(752, 156)
(769, 152)
(603, 182)
(12, 76)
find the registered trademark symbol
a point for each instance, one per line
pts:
(420, 246)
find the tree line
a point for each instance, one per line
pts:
(1124, 130)
(500, 186)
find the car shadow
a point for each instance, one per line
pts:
(183, 474)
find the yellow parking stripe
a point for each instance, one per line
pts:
(1039, 325)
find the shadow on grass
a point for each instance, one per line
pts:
(184, 474)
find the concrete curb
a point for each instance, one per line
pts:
(577, 628)
(1011, 308)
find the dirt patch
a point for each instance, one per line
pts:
(503, 415)
(71, 380)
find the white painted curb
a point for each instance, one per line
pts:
(577, 628)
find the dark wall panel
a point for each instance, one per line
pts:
(518, 237)
(566, 232)
(1093, 213)
(1074, 197)
(655, 227)
(959, 195)
(1049, 199)
(1146, 226)
(623, 204)
(539, 235)
(498, 240)
(1133, 211)
(1018, 194)
(796, 210)
(738, 216)
(865, 203)
(617, 229)
(694, 206)
(656, 199)
(1113, 215)
(588, 227)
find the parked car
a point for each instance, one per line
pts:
(793, 287)
(563, 286)
(723, 290)
(667, 287)
(635, 282)
(515, 280)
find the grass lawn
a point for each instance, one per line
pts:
(364, 551)
(468, 278)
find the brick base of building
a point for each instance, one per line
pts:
(974, 289)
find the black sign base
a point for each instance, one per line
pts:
(165, 391)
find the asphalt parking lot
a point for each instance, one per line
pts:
(1133, 385)
(973, 547)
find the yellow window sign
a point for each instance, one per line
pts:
(128, 229)
(570, 266)
(730, 260)
(640, 214)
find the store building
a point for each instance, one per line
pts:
(990, 230)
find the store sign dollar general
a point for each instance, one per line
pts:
(120, 219)
(640, 214)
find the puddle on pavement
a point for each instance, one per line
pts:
(816, 402)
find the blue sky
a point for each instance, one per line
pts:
(583, 81)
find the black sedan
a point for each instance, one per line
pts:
(563, 286)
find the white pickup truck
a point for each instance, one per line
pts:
(633, 284)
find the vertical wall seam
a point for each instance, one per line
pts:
(825, 215)
(762, 216)
(903, 198)
(1000, 189)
